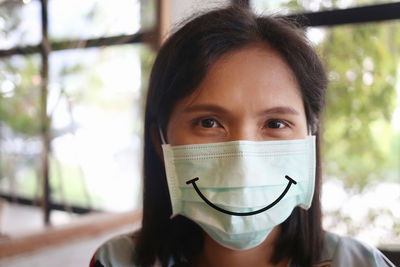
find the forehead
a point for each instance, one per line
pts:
(254, 75)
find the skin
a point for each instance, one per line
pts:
(249, 94)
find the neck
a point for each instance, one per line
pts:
(214, 254)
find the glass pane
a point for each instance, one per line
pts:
(96, 105)
(361, 130)
(20, 143)
(284, 7)
(148, 14)
(98, 18)
(20, 23)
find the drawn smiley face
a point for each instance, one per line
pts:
(290, 182)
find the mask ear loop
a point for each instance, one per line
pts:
(162, 136)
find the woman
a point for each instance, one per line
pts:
(231, 160)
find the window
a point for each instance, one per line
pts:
(88, 86)
(286, 7)
(361, 130)
(19, 131)
(96, 104)
(19, 24)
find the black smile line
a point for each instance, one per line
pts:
(193, 182)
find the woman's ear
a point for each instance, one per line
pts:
(156, 140)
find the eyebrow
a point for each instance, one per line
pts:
(282, 110)
(205, 107)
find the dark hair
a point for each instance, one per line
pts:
(180, 66)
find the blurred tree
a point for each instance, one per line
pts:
(19, 96)
(9, 18)
(362, 62)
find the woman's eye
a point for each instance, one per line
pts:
(276, 124)
(208, 123)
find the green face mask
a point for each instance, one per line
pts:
(239, 191)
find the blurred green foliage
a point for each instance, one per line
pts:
(359, 141)
(20, 94)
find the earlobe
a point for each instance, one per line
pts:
(156, 141)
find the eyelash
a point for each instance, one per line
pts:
(199, 121)
(285, 123)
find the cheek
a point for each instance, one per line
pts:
(177, 133)
(172, 133)
(303, 128)
(173, 129)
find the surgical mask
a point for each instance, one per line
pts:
(239, 191)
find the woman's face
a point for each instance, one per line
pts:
(249, 94)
